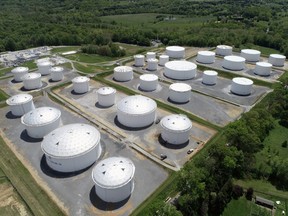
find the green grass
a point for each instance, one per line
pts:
(35, 197)
(89, 58)
(65, 49)
(91, 68)
(3, 71)
(66, 65)
(3, 95)
(133, 49)
(265, 51)
(30, 64)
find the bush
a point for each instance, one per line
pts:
(237, 191)
(284, 144)
(249, 193)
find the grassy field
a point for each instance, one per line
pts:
(89, 58)
(133, 49)
(66, 65)
(3, 71)
(65, 49)
(35, 197)
(91, 68)
(30, 64)
(3, 95)
(264, 50)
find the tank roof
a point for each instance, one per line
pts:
(152, 60)
(71, 140)
(136, 105)
(57, 69)
(242, 81)
(40, 116)
(123, 69)
(279, 56)
(139, 56)
(31, 76)
(175, 48)
(149, 77)
(113, 172)
(206, 53)
(180, 65)
(180, 87)
(250, 51)
(106, 90)
(80, 79)
(44, 63)
(234, 58)
(19, 99)
(210, 73)
(175, 122)
(222, 46)
(264, 64)
(20, 70)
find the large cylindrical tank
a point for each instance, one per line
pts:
(81, 84)
(180, 70)
(114, 179)
(44, 67)
(148, 82)
(251, 55)
(32, 81)
(72, 147)
(163, 59)
(41, 121)
(241, 86)
(106, 96)
(150, 55)
(136, 111)
(175, 52)
(18, 72)
(152, 64)
(263, 68)
(57, 73)
(234, 63)
(223, 50)
(20, 104)
(277, 60)
(209, 77)
(123, 73)
(206, 57)
(175, 129)
(180, 92)
(139, 60)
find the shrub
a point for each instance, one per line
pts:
(237, 191)
(284, 144)
(249, 193)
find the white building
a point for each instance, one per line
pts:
(234, 63)
(56, 73)
(180, 92)
(277, 60)
(32, 81)
(20, 104)
(180, 70)
(241, 86)
(123, 73)
(223, 50)
(206, 57)
(263, 68)
(175, 52)
(106, 96)
(251, 55)
(148, 82)
(81, 84)
(19, 72)
(44, 67)
(139, 60)
(209, 77)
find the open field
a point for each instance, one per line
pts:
(86, 68)
(64, 49)
(89, 58)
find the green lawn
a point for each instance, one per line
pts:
(91, 68)
(133, 49)
(66, 65)
(264, 50)
(65, 49)
(89, 58)
(3, 95)
(3, 71)
(30, 64)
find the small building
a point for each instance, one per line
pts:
(264, 202)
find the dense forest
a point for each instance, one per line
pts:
(33, 23)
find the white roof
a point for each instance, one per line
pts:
(123, 69)
(149, 77)
(242, 81)
(113, 172)
(234, 58)
(278, 56)
(250, 51)
(106, 90)
(71, 140)
(31, 76)
(163, 56)
(20, 70)
(139, 56)
(44, 63)
(224, 47)
(57, 69)
(152, 60)
(136, 104)
(19, 99)
(206, 53)
(180, 87)
(80, 79)
(41, 116)
(175, 48)
(264, 64)
(180, 65)
(176, 123)
(210, 73)
(151, 53)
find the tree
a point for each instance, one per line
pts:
(249, 193)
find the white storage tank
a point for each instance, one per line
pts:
(148, 82)
(235, 63)
(150, 55)
(206, 57)
(180, 70)
(20, 104)
(241, 86)
(180, 92)
(175, 129)
(123, 73)
(106, 96)
(251, 55)
(277, 60)
(152, 64)
(175, 52)
(32, 81)
(72, 147)
(57, 73)
(81, 84)
(223, 50)
(139, 60)
(44, 67)
(163, 59)
(209, 77)
(114, 179)
(18, 72)
(41, 121)
(136, 111)
(263, 68)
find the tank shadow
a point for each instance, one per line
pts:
(171, 101)
(14, 81)
(53, 81)
(100, 106)
(171, 146)
(24, 136)
(118, 124)
(55, 174)
(98, 203)
(9, 115)
(44, 84)
(76, 93)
